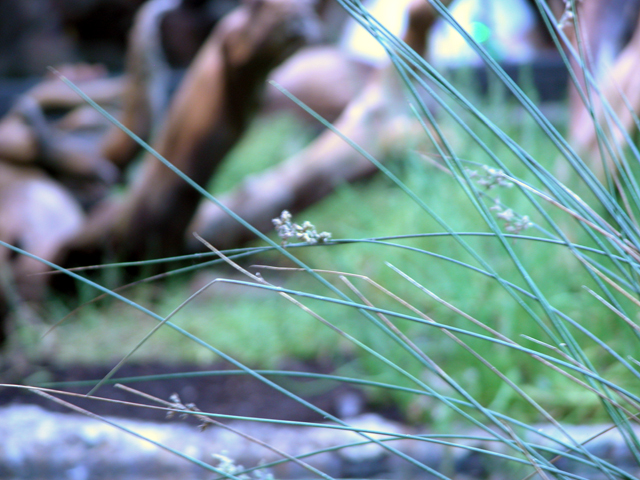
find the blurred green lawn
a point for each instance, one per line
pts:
(261, 329)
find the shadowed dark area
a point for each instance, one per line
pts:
(233, 394)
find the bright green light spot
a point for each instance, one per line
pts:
(480, 32)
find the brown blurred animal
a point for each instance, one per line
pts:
(208, 114)
(378, 119)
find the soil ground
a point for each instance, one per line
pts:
(224, 394)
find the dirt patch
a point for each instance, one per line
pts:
(225, 393)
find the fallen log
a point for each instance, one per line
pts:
(38, 215)
(378, 120)
(27, 138)
(146, 92)
(323, 77)
(208, 114)
(53, 93)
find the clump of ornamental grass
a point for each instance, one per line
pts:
(465, 317)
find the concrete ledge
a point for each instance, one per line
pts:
(38, 444)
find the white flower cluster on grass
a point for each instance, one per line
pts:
(228, 466)
(514, 223)
(306, 232)
(491, 178)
